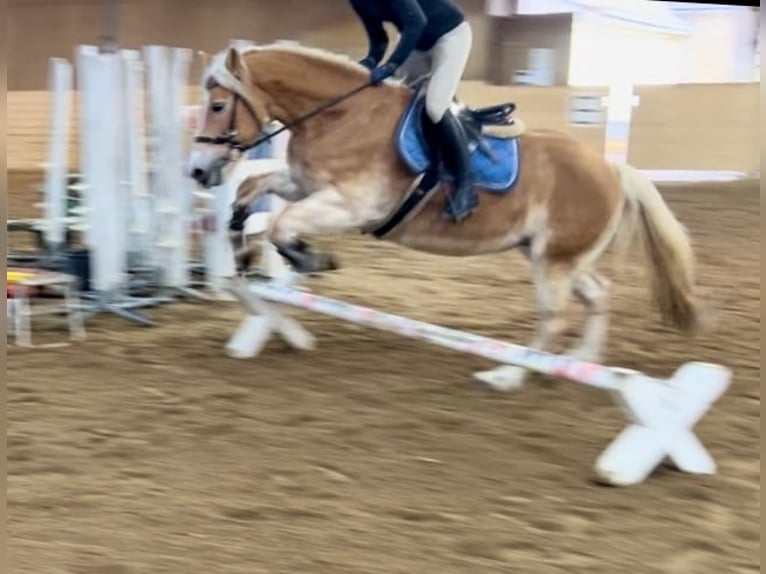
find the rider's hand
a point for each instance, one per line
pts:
(381, 73)
(368, 63)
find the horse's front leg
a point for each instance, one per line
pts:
(278, 183)
(249, 191)
(328, 210)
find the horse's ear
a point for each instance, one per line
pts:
(234, 62)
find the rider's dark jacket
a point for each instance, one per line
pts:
(420, 24)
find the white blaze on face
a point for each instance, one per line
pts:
(202, 156)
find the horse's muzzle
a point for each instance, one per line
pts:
(207, 178)
(210, 176)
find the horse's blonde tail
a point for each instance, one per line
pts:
(667, 246)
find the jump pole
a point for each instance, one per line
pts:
(173, 192)
(141, 224)
(56, 168)
(661, 412)
(105, 225)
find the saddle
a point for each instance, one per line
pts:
(494, 159)
(475, 119)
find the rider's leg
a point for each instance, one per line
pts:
(456, 156)
(450, 55)
(415, 67)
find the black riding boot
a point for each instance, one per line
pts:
(457, 156)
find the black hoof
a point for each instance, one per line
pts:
(303, 259)
(239, 214)
(244, 263)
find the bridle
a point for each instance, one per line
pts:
(230, 137)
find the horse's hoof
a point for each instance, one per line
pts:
(316, 263)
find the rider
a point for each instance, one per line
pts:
(435, 37)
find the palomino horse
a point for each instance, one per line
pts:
(350, 169)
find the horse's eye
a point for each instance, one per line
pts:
(218, 107)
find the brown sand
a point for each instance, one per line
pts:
(147, 450)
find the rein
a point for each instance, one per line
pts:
(229, 138)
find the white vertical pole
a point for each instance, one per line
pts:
(180, 189)
(102, 105)
(57, 167)
(219, 255)
(88, 132)
(158, 85)
(140, 226)
(168, 74)
(620, 103)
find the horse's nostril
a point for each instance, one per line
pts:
(198, 175)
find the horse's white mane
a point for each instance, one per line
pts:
(312, 52)
(218, 70)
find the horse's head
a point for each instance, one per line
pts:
(232, 117)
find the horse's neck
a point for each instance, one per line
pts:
(297, 84)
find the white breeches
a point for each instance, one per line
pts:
(446, 61)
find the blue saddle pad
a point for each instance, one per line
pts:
(495, 173)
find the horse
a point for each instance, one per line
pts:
(357, 156)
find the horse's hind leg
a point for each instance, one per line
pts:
(593, 292)
(553, 289)
(325, 211)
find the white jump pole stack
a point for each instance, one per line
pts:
(141, 225)
(88, 138)
(103, 162)
(219, 255)
(57, 166)
(157, 88)
(212, 219)
(661, 412)
(168, 71)
(180, 186)
(101, 109)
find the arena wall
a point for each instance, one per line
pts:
(695, 127)
(41, 29)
